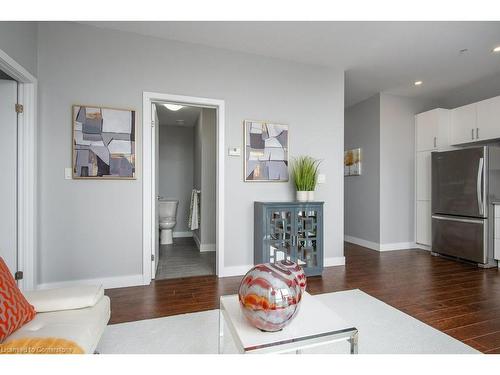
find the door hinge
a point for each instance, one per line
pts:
(18, 275)
(19, 108)
(152, 257)
(152, 124)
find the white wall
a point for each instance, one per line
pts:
(362, 193)
(397, 167)
(198, 145)
(93, 229)
(19, 41)
(379, 204)
(208, 176)
(176, 169)
(205, 160)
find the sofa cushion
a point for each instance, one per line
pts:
(82, 326)
(68, 298)
(15, 311)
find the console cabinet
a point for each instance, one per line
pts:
(289, 230)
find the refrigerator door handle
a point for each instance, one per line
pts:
(479, 186)
(461, 220)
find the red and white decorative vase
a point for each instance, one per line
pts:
(270, 294)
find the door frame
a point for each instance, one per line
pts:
(26, 169)
(148, 178)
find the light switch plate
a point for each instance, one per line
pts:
(321, 178)
(234, 151)
(68, 175)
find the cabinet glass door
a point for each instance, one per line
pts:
(307, 237)
(280, 235)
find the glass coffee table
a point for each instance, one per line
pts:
(315, 325)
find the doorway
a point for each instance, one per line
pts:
(154, 105)
(26, 169)
(185, 157)
(8, 182)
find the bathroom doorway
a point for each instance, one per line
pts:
(186, 180)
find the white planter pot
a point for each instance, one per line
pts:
(305, 196)
(302, 196)
(310, 196)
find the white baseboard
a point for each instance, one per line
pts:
(334, 261)
(423, 247)
(106, 282)
(378, 246)
(361, 242)
(397, 246)
(182, 234)
(203, 246)
(207, 247)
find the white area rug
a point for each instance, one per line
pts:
(382, 330)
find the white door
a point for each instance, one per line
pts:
(8, 179)
(488, 118)
(427, 130)
(463, 124)
(156, 172)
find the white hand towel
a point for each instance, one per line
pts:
(194, 215)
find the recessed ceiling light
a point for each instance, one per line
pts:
(496, 49)
(418, 83)
(173, 107)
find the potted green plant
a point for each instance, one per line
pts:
(305, 176)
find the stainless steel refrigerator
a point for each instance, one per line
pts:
(465, 182)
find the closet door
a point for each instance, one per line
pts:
(8, 179)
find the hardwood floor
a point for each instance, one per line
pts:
(456, 298)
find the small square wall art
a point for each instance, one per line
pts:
(352, 162)
(103, 143)
(266, 151)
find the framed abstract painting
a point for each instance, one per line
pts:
(103, 143)
(266, 151)
(352, 162)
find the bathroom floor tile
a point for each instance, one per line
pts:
(183, 259)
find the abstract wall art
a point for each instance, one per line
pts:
(266, 151)
(352, 162)
(103, 142)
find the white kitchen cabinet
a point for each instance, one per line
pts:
(432, 129)
(424, 175)
(464, 124)
(424, 223)
(432, 133)
(488, 119)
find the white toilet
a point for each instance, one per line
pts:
(168, 215)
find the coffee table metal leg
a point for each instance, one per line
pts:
(354, 343)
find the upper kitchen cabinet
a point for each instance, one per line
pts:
(488, 119)
(464, 124)
(432, 129)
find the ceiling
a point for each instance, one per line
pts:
(185, 116)
(377, 56)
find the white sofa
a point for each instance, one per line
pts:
(79, 314)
